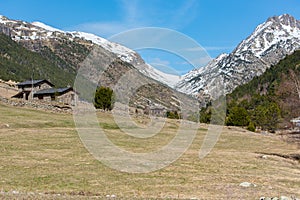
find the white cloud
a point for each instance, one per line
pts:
(197, 62)
(136, 14)
(201, 61)
(209, 48)
(159, 61)
(131, 10)
(185, 13)
(212, 48)
(103, 29)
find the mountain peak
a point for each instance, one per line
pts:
(285, 19)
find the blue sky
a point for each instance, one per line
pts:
(215, 24)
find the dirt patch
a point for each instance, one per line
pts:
(7, 90)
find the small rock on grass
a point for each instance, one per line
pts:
(247, 184)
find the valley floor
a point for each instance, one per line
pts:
(42, 157)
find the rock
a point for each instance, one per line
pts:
(265, 198)
(284, 198)
(247, 184)
(15, 192)
(275, 198)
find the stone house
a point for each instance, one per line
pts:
(45, 91)
(28, 88)
(296, 121)
(158, 111)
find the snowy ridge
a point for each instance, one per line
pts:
(46, 27)
(122, 52)
(168, 79)
(267, 45)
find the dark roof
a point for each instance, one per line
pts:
(34, 82)
(53, 91)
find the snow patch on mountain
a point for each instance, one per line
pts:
(168, 79)
(46, 27)
(123, 52)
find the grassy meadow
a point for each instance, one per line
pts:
(42, 157)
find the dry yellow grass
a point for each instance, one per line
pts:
(41, 152)
(7, 91)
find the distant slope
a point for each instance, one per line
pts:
(279, 85)
(17, 63)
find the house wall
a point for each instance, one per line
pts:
(47, 98)
(69, 98)
(43, 86)
(158, 112)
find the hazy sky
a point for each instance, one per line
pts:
(215, 24)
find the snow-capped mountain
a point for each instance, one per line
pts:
(266, 46)
(27, 33)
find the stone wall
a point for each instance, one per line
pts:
(40, 105)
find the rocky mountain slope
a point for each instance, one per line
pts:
(37, 36)
(266, 46)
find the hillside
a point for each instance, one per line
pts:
(277, 89)
(19, 64)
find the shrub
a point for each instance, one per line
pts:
(251, 127)
(238, 116)
(104, 98)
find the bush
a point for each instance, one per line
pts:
(205, 115)
(173, 115)
(238, 116)
(267, 116)
(104, 98)
(251, 127)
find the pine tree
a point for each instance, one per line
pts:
(104, 98)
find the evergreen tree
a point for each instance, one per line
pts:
(267, 116)
(238, 116)
(205, 115)
(104, 98)
(251, 127)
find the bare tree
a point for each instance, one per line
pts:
(296, 81)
